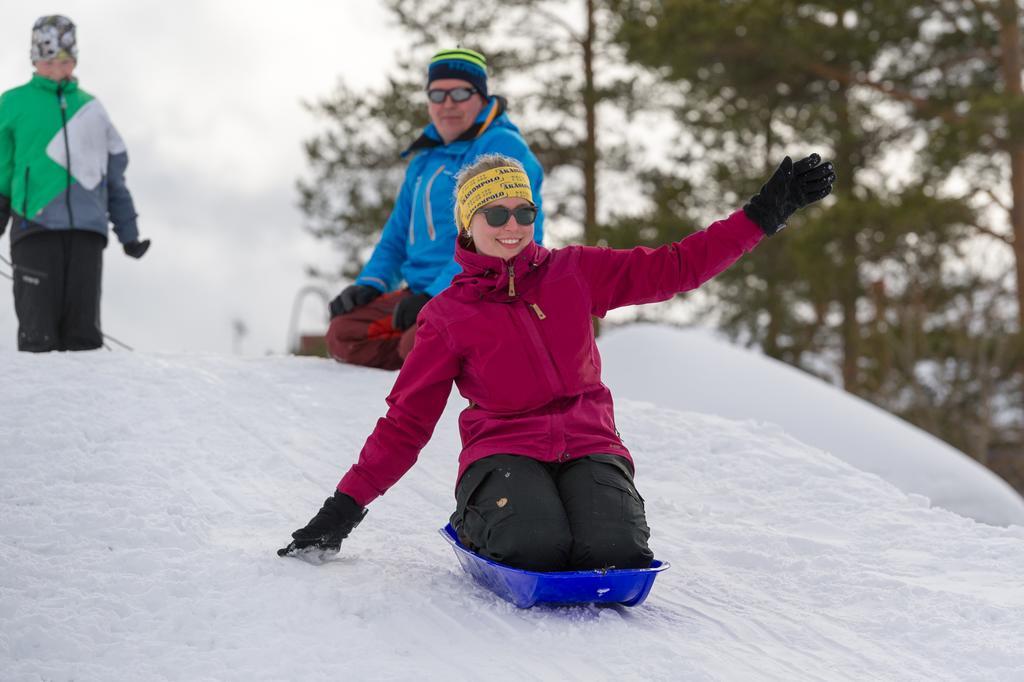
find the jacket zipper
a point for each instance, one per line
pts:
(412, 210)
(426, 204)
(543, 354)
(550, 371)
(536, 309)
(24, 199)
(511, 280)
(67, 149)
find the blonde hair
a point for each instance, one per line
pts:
(482, 163)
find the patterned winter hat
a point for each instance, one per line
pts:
(460, 63)
(503, 182)
(53, 37)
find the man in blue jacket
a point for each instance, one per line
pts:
(373, 321)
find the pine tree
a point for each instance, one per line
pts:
(867, 289)
(356, 165)
(568, 90)
(754, 90)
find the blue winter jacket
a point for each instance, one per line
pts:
(418, 242)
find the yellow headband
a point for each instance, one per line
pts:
(504, 182)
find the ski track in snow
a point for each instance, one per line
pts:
(143, 496)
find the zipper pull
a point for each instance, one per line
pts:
(60, 97)
(511, 280)
(538, 311)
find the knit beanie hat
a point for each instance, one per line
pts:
(53, 37)
(462, 64)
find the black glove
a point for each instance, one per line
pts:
(351, 297)
(137, 249)
(322, 536)
(407, 310)
(791, 187)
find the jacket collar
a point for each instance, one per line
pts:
(44, 83)
(430, 138)
(497, 279)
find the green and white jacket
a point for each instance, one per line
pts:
(62, 163)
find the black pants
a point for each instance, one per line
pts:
(582, 514)
(57, 277)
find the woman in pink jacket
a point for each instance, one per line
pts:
(544, 480)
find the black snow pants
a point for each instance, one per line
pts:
(578, 515)
(57, 278)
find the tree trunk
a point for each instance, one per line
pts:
(1010, 46)
(773, 299)
(1010, 65)
(848, 291)
(590, 141)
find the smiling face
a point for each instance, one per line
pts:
(453, 118)
(505, 241)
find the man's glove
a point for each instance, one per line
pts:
(791, 187)
(352, 297)
(321, 538)
(137, 249)
(407, 310)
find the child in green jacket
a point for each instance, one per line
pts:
(62, 166)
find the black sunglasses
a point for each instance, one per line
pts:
(498, 216)
(437, 95)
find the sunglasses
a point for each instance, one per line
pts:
(497, 216)
(437, 95)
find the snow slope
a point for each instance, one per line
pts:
(142, 497)
(692, 369)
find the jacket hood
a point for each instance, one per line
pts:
(496, 279)
(491, 116)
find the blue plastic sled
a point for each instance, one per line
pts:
(525, 588)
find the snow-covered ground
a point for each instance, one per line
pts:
(142, 497)
(693, 369)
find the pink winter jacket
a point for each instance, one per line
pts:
(516, 338)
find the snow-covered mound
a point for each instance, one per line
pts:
(142, 498)
(692, 369)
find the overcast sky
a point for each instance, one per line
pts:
(207, 96)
